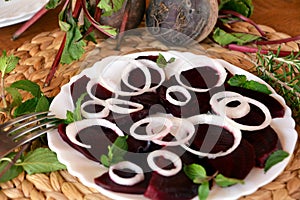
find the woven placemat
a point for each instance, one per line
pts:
(37, 56)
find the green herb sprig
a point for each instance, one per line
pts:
(283, 74)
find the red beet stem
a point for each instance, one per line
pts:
(56, 62)
(93, 21)
(280, 41)
(124, 22)
(242, 17)
(31, 21)
(77, 9)
(246, 49)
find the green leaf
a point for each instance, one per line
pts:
(26, 107)
(116, 152)
(74, 44)
(69, 118)
(109, 29)
(16, 96)
(42, 104)
(244, 7)
(162, 62)
(203, 190)
(275, 158)
(223, 181)
(110, 6)
(223, 38)
(241, 81)
(7, 63)
(13, 171)
(52, 4)
(28, 86)
(41, 160)
(196, 173)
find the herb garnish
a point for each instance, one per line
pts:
(76, 114)
(198, 175)
(241, 81)
(40, 160)
(274, 158)
(116, 152)
(162, 62)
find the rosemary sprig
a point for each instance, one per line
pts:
(283, 74)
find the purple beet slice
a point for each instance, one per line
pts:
(238, 164)
(275, 107)
(177, 187)
(265, 142)
(105, 182)
(78, 88)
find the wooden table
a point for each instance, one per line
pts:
(283, 15)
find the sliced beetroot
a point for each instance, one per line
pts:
(177, 187)
(254, 118)
(275, 107)
(84, 151)
(147, 99)
(105, 182)
(238, 164)
(78, 88)
(200, 77)
(152, 58)
(101, 92)
(212, 139)
(265, 142)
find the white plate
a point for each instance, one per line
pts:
(86, 170)
(16, 11)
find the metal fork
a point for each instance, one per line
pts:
(23, 129)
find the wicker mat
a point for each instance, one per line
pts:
(37, 56)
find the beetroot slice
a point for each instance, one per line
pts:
(177, 187)
(78, 88)
(105, 182)
(275, 107)
(265, 142)
(238, 164)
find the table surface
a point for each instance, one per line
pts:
(282, 15)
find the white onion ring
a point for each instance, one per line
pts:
(138, 177)
(218, 121)
(182, 90)
(167, 155)
(182, 129)
(89, 87)
(75, 127)
(215, 65)
(112, 104)
(220, 106)
(104, 113)
(219, 110)
(151, 131)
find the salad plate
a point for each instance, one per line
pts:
(87, 170)
(16, 11)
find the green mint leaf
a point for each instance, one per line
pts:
(52, 4)
(162, 62)
(223, 181)
(69, 118)
(237, 80)
(196, 173)
(42, 104)
(244, 7)
(275, 158)
(74, 44)
(241, 81)
(116, 152)
(8, 63)
(26, 107)
(223, 38)
(28, 86)
(203, 190)
(13, 171)
(256, 86)
(16, 96)
(41, 160)
(110, 6)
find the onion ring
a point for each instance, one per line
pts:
(182, 90)
(139, 176)
(218, 121)
(75, 127)
(112, 104)
(167, 155)
(104, 113)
